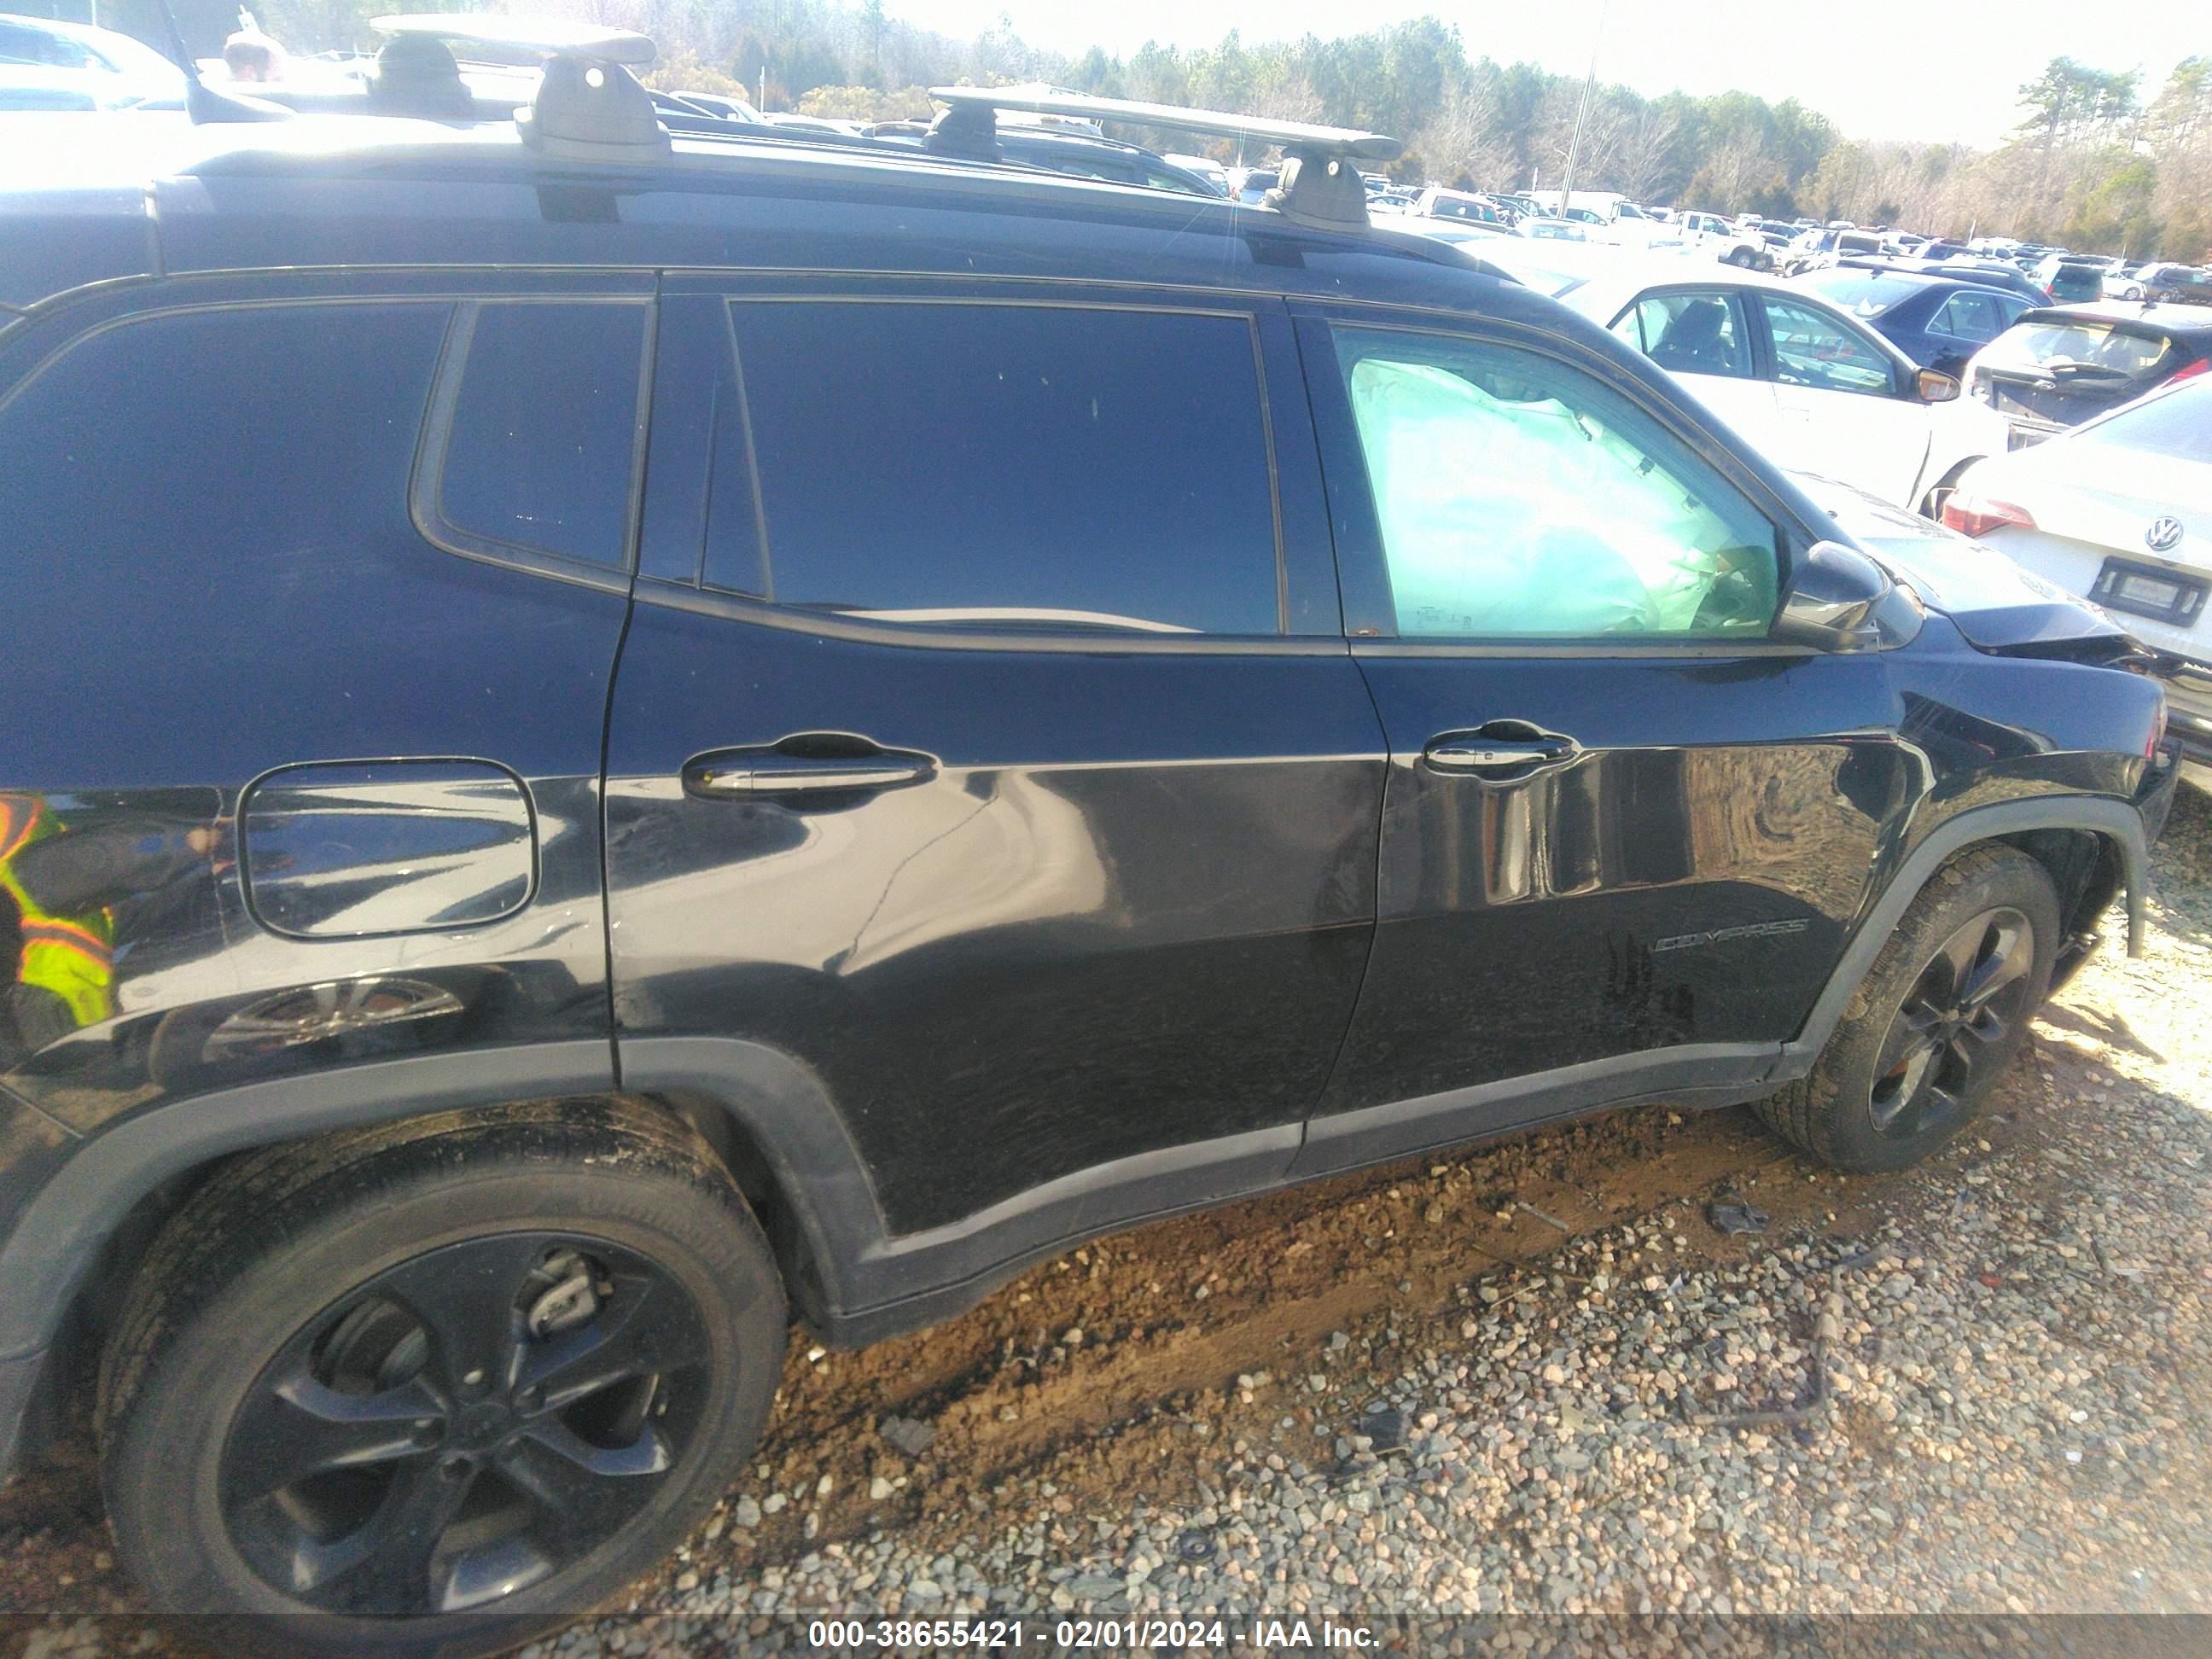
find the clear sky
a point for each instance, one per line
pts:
(1948, 70)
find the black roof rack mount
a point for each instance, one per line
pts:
(589, 106)
(1320, 183)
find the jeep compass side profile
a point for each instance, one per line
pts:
(606, 738)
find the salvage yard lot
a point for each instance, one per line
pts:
(1576, 1393)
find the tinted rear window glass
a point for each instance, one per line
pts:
(2082, 346)
(1863, 293)
(1002, 465)
(542, 441)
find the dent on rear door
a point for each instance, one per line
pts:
(1107, 899)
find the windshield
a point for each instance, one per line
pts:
(1864, 293)
(2177, 425)
(2077, 344)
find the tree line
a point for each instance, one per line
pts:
(2094, 164)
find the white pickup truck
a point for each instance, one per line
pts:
(1725, 241)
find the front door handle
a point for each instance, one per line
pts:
(1503, 751)
(815, 765)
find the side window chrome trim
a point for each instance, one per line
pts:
(739, 607)
(1585, 647)
(423, 488)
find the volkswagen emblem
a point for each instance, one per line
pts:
(2163, 535)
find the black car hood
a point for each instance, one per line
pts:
(1994, 603)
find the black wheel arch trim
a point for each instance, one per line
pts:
(58, 1235)
(2119, 822)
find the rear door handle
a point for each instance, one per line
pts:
(1503, 751)
(788, 769)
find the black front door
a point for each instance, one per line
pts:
(985, 741)
(1623, 834)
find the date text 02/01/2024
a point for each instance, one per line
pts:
(1077, 1635)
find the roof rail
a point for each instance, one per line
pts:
(1320, 183)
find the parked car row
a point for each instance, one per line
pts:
(1798, 376)
(2082, 446)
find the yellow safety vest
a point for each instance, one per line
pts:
(72, 957)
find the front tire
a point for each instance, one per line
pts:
(1938, 1016)
(437, 1386)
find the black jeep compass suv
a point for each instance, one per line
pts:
(604, 738)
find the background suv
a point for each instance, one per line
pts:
(800, 726)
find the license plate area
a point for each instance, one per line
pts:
(2143, 590)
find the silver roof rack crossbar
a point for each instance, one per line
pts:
(550, 37)
(1320, 183)
(589, 106)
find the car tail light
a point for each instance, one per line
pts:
(1978, 515)
(2189, 371)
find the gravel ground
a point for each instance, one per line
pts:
(1532, 1379)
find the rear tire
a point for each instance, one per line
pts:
(1941, 1013)
(479, 1370)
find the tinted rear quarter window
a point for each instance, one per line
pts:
(999, 466)
(206, 524)
(185, 433)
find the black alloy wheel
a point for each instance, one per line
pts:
(430, 1390)
(463, 1425)
(1935, 1018)
(1957, 1017)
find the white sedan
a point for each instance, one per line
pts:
(2119, 511)
(1808, 384)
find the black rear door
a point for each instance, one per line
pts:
(984, 741)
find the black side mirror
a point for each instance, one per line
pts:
(1841, 600)
(1935, 386)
